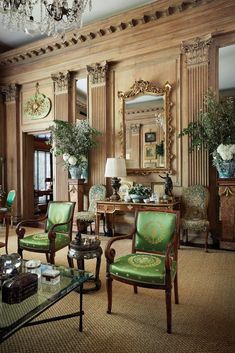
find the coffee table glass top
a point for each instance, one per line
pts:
(13, 316)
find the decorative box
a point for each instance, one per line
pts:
(50, 276)
(33, 266)
(17, 289)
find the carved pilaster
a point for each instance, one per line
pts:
(62, 81)
(97, 73)
(10, 92)
(196, 51)
(197, 59)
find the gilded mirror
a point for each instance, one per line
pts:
(146, 128)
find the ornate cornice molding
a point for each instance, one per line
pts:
(196, 50)
(97, 73)
(77, 38)
(61, 81)
(10, 92)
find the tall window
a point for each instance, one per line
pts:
(42, 171)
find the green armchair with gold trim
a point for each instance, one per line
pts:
(57, 232)
(152, 262)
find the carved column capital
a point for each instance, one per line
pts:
(97, 73)
(61, 80)
(135, 128)
(10, 92)
(196, 50)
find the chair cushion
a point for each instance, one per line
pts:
(145, 268)
(40, 241)
(198, 225)
(86, 216)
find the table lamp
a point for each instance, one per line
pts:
(115, 168)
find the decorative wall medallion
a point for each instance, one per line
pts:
(37, 106)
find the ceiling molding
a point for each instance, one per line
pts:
(79, 37)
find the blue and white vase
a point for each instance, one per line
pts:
(75, 172)
(226, 169)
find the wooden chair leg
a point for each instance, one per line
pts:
(48, 258)
(70, 261)
(168, 309)
(135, 289)
(52, 258)
(109, 293)
(176, 289)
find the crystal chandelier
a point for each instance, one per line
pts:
(41, 16)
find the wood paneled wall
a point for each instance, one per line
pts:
(159, 42)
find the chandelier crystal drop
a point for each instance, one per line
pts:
(51, 17)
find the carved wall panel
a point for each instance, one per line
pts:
(98, 116)
(197, 61)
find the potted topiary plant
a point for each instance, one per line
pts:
(73, 142)
(215, 130)
(138, 192)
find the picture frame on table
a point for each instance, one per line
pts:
(158, 188)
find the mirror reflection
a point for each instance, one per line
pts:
(146, 128)
(81, 98)
(145, 132)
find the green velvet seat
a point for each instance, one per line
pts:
(152, 262)
(85, 218)
(57, 232)
(195, 201)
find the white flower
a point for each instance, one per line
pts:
(66, 156)
(83, 159)
(226, 152)
(72, 160)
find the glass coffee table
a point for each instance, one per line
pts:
(15, 316)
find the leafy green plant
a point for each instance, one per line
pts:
(215, 126)
(141, 190)
(73, 141)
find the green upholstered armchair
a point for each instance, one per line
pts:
(57, 231)
(85, 218)
(195, 201)
(153, 260)
(9, 203)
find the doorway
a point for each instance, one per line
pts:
(42, 174)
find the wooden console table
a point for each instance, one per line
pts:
(110, 207)
(227, 213)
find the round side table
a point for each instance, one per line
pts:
(82, 249)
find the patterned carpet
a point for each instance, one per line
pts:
(204, 321)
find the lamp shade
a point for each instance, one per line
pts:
(115, 167)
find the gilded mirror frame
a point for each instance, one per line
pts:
(140, 88)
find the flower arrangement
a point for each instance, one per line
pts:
(73, 141)
(215, 128)
(141, 190)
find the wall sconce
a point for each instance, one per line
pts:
(115, 168)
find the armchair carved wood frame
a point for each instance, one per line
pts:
(153, 260)
(57, 232)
